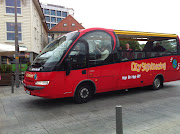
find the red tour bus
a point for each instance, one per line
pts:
(82, 63)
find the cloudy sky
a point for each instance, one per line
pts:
(137, 15)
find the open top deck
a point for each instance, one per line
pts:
(145, 35)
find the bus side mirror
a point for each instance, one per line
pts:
(68, 66)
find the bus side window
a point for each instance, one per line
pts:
(100, 48)
(165, 47)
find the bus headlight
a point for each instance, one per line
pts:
(42, 83)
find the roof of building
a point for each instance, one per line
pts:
(67, 25)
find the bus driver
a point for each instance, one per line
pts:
(104, 52)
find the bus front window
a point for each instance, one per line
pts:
(53, 52)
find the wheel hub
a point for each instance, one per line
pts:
(84, 93)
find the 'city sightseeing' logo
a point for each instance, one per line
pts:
(29, 75)
(35, 76)
(146, 67)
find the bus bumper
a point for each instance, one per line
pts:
(32, 88)
(42, 91)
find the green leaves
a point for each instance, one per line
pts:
(4, 68)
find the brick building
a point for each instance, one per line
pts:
(67, 25)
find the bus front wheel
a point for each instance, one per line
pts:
(83, 93)
(158, 83)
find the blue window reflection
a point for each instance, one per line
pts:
(52, 25)
(64, 14)
(48, 25)
(58, 13)
(47, 18)
(52, 12)
(10, 6)
(46, 11)
(10, 26)
(12, 10)
(11, 36)
(11, 31)
(53, 19)
(58, 20)
(11, 3)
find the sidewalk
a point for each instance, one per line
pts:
(144, 112)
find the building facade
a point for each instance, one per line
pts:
(67, 25)
(32, 29)
(55, 13)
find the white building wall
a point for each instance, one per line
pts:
(39, 35)
(24, 19)
(29, 19)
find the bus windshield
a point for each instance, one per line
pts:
(53, 52)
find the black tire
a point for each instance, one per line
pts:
(157, 83)
(83, 94)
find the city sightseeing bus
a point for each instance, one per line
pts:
(89, 61)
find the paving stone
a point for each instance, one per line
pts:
(144, 112)
(40, 131)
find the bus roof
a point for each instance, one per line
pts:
(144, 34)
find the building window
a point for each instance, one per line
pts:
(52, 25)
(48, 24)
(64, 14)
(10, 26)
(53, 19)
(73, 25)
(65, 25)
(47, 18)
(58, 20)
(53, 12)
(58, 13)
(10, 7)
(46, 11)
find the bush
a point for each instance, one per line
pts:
(4, 68)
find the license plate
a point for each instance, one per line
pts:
(28, 92)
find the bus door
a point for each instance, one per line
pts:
(100, 59)
(103, 76)
(77, 58)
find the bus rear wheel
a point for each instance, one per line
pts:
(83, 94)
(157, 83)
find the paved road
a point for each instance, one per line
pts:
(144, 112)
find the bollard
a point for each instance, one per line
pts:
(119, 125)
(12, 84)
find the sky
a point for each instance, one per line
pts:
(161, 16)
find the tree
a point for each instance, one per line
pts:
(134, 45)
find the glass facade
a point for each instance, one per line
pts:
(47, 19)
(10, 28)
(53, 12)
(53, 19)
(58, 20)
(46, 11)
(48, 25)
(64, 14)
(52, 25)
(58, 13)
